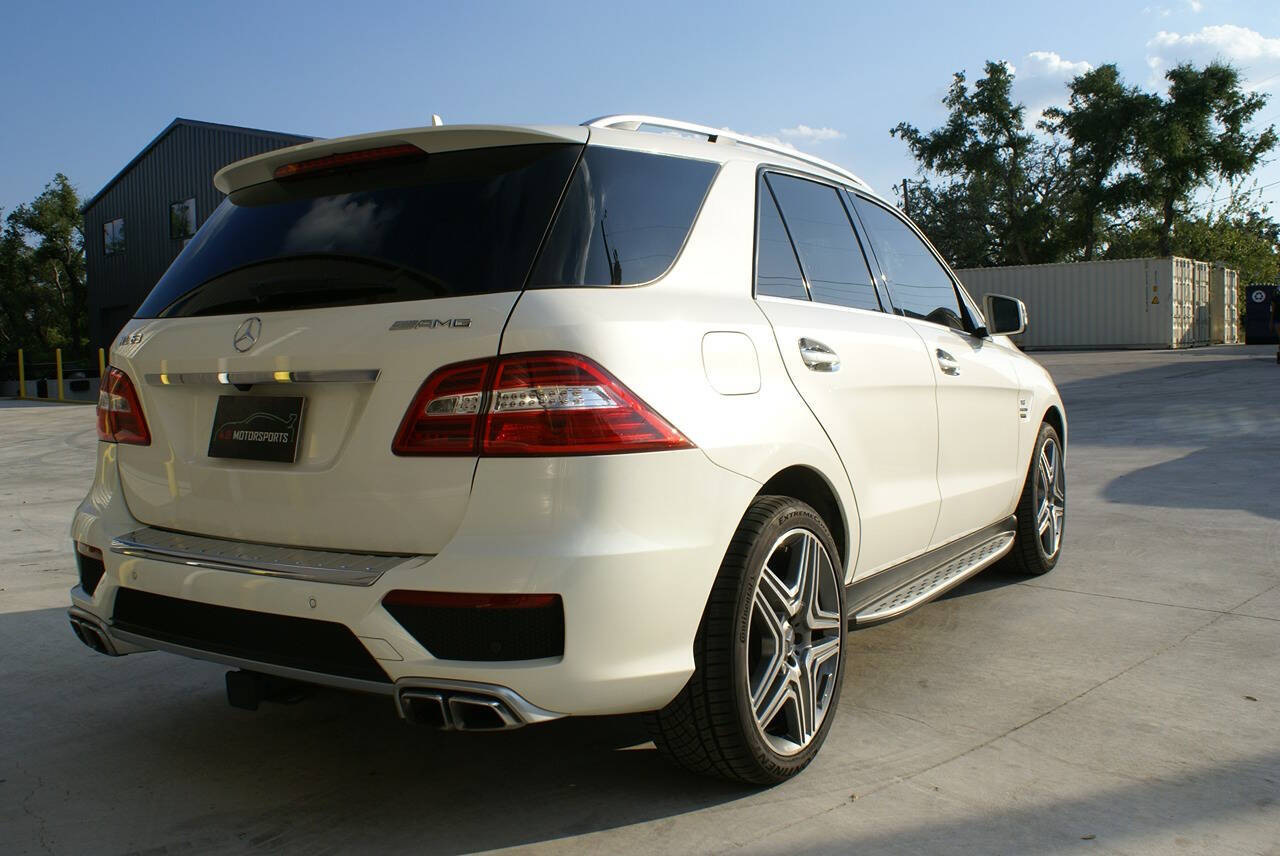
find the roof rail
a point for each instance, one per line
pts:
(633, 122)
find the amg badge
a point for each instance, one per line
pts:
(430, 323)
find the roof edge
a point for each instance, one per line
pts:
(176, 123)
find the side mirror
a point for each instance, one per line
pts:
(1006, 316)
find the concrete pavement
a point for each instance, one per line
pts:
(1128, 702)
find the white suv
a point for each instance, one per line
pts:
(516, 423)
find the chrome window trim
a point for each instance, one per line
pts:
(245, 557)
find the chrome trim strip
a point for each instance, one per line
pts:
(527, 711)
(295, 563)
(336, 681)
(249, 378)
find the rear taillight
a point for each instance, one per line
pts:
(120, 418)
(530, 404)
(444, 418)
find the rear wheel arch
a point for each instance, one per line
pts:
(811, 487)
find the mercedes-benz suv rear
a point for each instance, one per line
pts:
(493, 421)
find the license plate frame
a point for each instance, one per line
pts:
(257, 428)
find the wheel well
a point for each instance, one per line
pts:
(809, 486)
(1054, 417)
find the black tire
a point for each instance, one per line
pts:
(1030, 555)
(710, 727)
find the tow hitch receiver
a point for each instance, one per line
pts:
(246, 690)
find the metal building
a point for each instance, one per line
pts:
(1125, 303)
(139, 222)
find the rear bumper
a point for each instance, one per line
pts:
(631, 543)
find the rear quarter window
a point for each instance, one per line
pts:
(624, 218)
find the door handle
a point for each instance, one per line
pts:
(947, 363)
(818, 357)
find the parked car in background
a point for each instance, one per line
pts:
(516, 423)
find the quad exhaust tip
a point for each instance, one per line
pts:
(92, 634)
(448, 710)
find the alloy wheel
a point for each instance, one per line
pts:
(794, 641)
(1050, 497)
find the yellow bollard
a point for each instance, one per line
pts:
(22, 377)
(102, 364)
(57, 356)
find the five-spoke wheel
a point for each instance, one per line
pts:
(1042, 508)
(794, 641)
(768, 656)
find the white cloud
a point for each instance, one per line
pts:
(1043, 81)
(1237, 44)
(806, 134)
(1257, 56)
(1196, 7)
(1049, 64)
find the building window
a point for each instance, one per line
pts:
(182, 219)
(113, 236)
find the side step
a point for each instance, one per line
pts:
(897, 590)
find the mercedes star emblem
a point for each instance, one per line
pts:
(247, 334)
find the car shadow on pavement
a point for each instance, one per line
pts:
(1138, 814)
(1222, 476)
(148, 746)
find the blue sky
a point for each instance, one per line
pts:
(87, 85)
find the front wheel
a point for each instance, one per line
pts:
(768, 655)
(1042, 509)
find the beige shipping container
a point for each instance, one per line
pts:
(1224, 307)
(1201, 281)
(1124, 303)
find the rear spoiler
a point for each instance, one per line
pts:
(261, 168)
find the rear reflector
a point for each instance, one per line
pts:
(348, 160)
(481, 627)
(120, 418)
(530, 404)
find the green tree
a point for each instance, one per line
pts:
(1199, 132)
(52, 229)
(990, 166)
(1101, 124)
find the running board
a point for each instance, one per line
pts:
(897, 590)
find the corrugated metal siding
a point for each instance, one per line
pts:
(1126, 303)
(1224, 306)
(180, 166)
(1200, 308)
(1183, 302)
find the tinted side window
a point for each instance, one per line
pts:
(624, 218)
(824, 239)
(918, 285)
(777, 271)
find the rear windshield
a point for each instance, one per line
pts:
(455, 223)
(624, 218)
